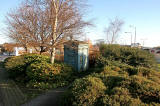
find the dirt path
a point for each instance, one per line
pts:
(10, 94)
(49, 99)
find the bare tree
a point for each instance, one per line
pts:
(64, 18)
(46, 23)
(113, 30)
(17, 27)
(39, 28)
(28, 26)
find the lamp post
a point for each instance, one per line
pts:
(131, 36)
(143, 41)
(135, 33)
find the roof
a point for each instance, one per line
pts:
(74, 42)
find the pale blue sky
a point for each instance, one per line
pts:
(144, 14)
(6, 6)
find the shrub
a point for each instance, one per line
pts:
(6, 60)
(31, 58)
(119, 100)
(66, 72)
(15, 66)
(85, 92)
(126, 76)
(140, 88)
(101, 62)
(154, 76)
(44, 85)
(146, 72)
(147, 90)
(55, 74)
(93, 57)
(41, 71)
(115, 81)
(128, 55)
(34, 69)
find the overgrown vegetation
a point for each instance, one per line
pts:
(35, 71)
(124, 77)
(120, 76)
(131, 56)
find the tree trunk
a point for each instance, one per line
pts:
(54, 31)
(52, 58)
(41, 50)
(26, 49)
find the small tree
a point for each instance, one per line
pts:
(113, 30)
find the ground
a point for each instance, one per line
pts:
(49, 99)
(10, 94)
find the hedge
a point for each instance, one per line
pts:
(36, 71)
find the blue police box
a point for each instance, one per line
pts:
(76, 54)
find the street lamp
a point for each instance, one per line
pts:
(143, 41)
(131, 36)
(135, 33)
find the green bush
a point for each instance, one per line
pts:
(6, 60)
(143, 71)
(120, 97)
(31, 58)
(125, 76)
(49, 72)
(58, 74)
(147, 90)
(84, 92)
(41, 71)
(15, 66)
(127, 86)
(128, 55)
(101, 62)
(44, 85)
(36, 71)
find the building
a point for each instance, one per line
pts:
(138, 45)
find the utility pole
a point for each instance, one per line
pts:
(134, 33)
(135, 36)
(143, 41)
(131, 36)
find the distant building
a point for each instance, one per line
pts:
(99, 42)
(138, 45)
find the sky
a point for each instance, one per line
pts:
(142, 14)
(5, 7)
